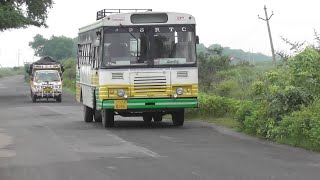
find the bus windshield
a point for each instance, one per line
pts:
(47, 76)
(156, 45)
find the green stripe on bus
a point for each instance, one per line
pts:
(155, 103)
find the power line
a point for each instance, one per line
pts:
(269, 31)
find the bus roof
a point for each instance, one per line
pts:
(125, 20)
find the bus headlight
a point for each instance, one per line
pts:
(120, 92)
(179, 90)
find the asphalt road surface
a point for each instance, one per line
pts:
(50, 141)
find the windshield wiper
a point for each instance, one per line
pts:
(133, 37)
(129, 32)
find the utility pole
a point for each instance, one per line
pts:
(18, 57)
(269, 31)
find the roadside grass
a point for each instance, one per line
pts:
(220, 121)
(69, 85)
(69, 90)
(4, 72)
(226, 121)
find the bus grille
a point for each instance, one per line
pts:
(150, 85)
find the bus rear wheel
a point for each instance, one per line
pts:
(107, 118)
(97, 116)
(157, 117)
(88, 114)
(59, 98)
(34, 98)
(147, 118)
(178, 118)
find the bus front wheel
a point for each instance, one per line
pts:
(178, 118)
(88, 114)
(107, 118)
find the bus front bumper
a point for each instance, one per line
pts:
(149, 103)
(44, 94)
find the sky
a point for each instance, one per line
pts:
(231, 23)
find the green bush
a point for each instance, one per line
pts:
(225, 88)
(285, 104)
(69, 74)
(304, 70)
(214, 106)
(10, 71)
(301, 128)
(70, 84)
(235, 82)
(286, 101)
(245, 109)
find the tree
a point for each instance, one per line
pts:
(22, 13)
(37, 44)
(209, 64)
(57, 47)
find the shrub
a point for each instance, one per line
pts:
(245, 109)
(69, 75)
(301, 128)
(224, 88)
(215, 106)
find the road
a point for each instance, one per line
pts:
(49, 141)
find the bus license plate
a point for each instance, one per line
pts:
(120, 104)
(47, 90)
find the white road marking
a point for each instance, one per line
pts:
(139, 148)
(124, 157)
(5, 140)
(2, 86)
(171, 139)
(314, 164)
(111, 167)
(196, 174)
(166, 137)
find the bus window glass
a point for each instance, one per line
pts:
(122, 47)
(46, 77)
(174, 45)
(163, 45)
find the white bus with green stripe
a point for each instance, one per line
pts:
(138, 63)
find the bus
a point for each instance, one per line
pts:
(137, 62)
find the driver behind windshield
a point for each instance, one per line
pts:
(117, 49)
(46, 77)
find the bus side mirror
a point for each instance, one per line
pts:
(97, 41)
(197, 40)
